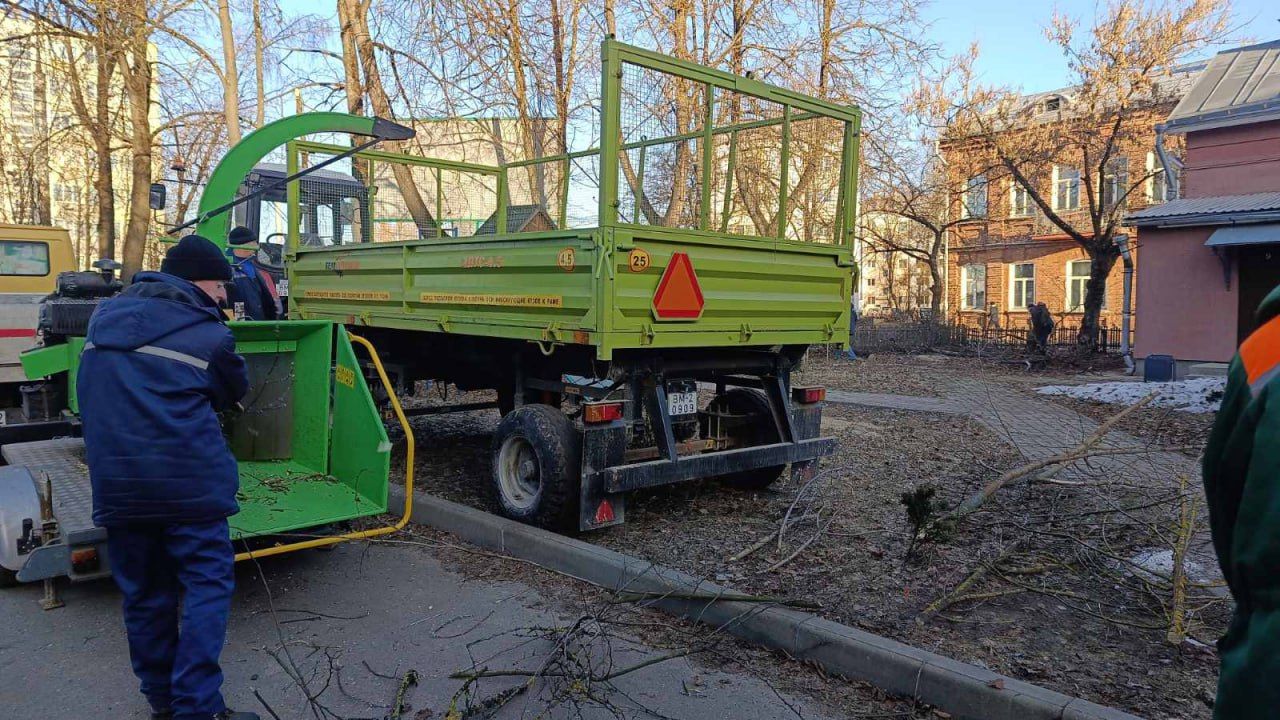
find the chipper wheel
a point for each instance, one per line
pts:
(537, 468)
(744, 415)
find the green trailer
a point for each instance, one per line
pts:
(310, 443)
(638, 306)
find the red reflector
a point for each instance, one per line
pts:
(84, 560)
(602, 412)
(604, 512)
(809, 394)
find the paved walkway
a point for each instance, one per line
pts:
(353, 620)
(1038, 428)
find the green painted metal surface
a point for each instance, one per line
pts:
(224, 181)
(778, 281)
(311, 445)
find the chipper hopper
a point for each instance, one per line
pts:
(312, 449)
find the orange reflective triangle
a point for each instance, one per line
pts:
(678, 297)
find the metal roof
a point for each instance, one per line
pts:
(1220, 210)
(1244, 235)
(1238, 86)
(518, 217)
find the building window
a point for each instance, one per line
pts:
(973, 283)
(1053, 104)
(1078, 284)
(1115, 182)
(1066, 188)
(1019, 201)
(974, 203)
(1022, 285)
(1159, 189)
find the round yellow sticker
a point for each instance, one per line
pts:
(638, 260)
(566, 259)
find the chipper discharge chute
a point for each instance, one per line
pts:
(310, 442)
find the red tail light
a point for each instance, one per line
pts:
(602, 412)
(808, 394)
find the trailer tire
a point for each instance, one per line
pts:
(760, 430)
(536, 471)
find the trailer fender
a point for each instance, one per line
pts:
(19, 516)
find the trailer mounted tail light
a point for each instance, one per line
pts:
(84, 560)
(808, 394)
(595, 413)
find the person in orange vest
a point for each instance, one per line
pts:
(1242, 484)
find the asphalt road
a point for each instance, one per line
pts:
(352, 621)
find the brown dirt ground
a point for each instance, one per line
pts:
(1055, 611)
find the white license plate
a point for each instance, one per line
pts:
(682, 403)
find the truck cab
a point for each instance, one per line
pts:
(31, 256)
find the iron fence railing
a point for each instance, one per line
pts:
(873, 335)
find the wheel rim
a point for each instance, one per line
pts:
(518, 475)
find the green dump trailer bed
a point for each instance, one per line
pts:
(596, 288)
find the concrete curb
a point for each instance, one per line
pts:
(963, 690)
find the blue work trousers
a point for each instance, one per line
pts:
(177, 582)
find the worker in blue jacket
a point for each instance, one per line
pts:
(158, 366)
(252, 294)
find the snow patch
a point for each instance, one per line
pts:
(1197, 395)
(1154, 564)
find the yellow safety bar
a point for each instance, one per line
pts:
(408, 479)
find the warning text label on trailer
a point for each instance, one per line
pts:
(554, 301)
(346, 295)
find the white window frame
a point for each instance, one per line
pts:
(1015, 282)
(964, 197)
(1071, 278)
(965, 277)
(1117, 183)
(1154, 168)
(1057, 179)
(1016, 189)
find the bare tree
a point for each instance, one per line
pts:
(1119, 64)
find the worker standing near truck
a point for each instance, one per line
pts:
(252, 294)
(1241, 472)
(158, 365)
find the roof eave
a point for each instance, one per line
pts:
(1203, 219)
(1258, 113)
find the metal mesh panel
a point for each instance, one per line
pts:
(660, 183)
(813, 179)
(379, 199)
(539, 187)
(749, 159)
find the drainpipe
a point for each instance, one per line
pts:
(1168, 163)
(1122, 241)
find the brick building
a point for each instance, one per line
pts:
(1009, 255)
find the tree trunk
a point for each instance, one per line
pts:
(40, 208)
(104, 183)
(355, 21)
(137, 71)
(230, 76)
(1102, 260)
(936, 289)
(260, 117)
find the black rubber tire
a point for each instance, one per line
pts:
(8, 578)
(760, 430)
(557, 448)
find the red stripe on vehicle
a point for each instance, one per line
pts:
(17, 332)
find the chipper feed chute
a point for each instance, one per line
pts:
(310, 443)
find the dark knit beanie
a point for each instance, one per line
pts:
(195, 258)
(241, 235)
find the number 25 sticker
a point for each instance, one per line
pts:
(638, 260)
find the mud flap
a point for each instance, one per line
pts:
(603, 446)
(806, 418)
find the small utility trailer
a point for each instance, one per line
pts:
(310, 443)
(638, 306)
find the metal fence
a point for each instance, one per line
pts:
(872, 335)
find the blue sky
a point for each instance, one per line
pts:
(1010, 36)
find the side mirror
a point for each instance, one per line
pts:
(159, 196)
